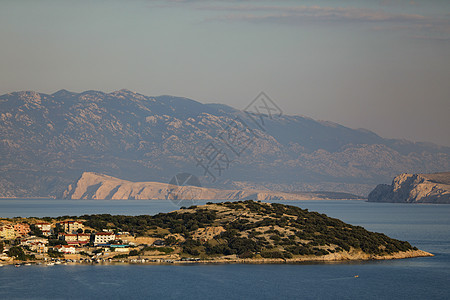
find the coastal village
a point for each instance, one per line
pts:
(70, 241)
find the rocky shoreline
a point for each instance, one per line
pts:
(334, 258)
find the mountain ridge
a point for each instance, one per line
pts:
(414, 188)
(48, 140)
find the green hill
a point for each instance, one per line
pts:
(255, 230)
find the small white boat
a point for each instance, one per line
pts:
(50, 264)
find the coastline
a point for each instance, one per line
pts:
(333, 257)
(330, 258)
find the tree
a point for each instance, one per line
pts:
(246, 254)
(54, 253)
(171, 240)
(17, 252)
(34, 230)
(55, 242)
(58, 229)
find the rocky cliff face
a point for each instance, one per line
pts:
(99, 186)
(414, 188)
(47, 141)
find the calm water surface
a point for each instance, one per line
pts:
(425, 226)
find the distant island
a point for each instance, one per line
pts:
(99, 186)
(240, 232)
(414, 188)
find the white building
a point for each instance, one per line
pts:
(32, 240)
(103, 238)
(67, 249)
(7, 232)
(71, 226)
(68, 237)
(46, 228)
(38, 247)
(75, 239)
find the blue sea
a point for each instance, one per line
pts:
(425, 226)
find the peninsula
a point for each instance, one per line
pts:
(414, 188)
(93, 185)
(240, 232)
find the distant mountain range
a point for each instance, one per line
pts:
(48, 141)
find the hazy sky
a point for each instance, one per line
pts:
(380, 65)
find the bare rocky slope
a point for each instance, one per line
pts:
(98, 186)
(48, 140)
(414, 188)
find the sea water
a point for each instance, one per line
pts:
(424, 226)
